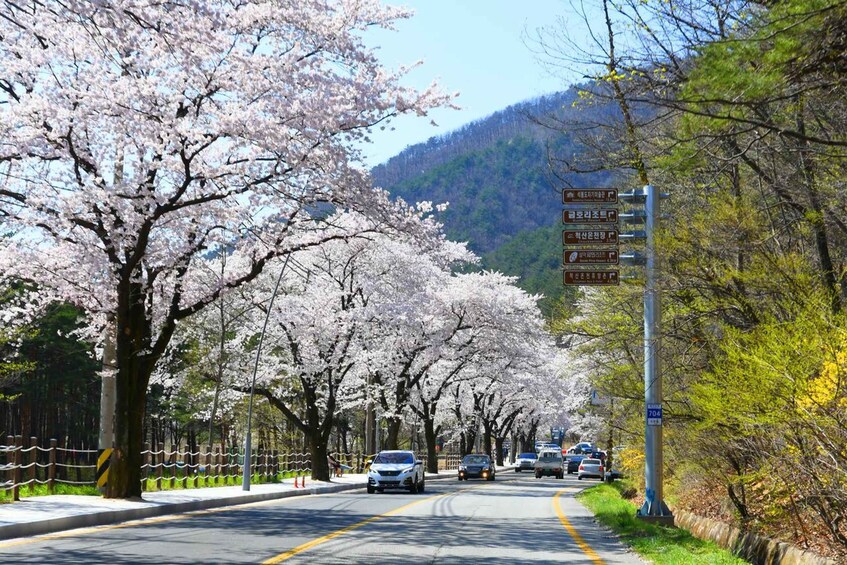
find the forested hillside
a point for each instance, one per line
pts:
(494, 172)
(504, 196)
(536, 257)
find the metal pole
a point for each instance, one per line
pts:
(654, 507)
(245, 469)
(106, 438)
(369, 421)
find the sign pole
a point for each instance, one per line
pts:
(654, 508)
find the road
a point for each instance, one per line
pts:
(515, 519)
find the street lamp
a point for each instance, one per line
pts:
(245, 479)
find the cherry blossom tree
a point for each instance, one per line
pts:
(319, 327)
(139, 137)
(496, 332)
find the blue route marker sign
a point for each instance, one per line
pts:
(654, 414)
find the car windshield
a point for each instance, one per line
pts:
(394, 458)
(528, 456)
(475, 460)
(590, 461)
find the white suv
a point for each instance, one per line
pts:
(396, 469)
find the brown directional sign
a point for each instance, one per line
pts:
(578, 237)
(590, 216)
(589, 195)
(591, 257)
(592, 278)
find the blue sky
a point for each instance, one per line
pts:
(475, 47)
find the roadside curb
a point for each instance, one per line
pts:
(53, 525)
(155, 509)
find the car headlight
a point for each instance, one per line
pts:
(409, 470)
(462, 468)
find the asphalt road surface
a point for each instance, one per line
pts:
(515, 519)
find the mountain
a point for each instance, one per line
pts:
(504, 198)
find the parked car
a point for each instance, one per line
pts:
(477, 465)
(525, 462)
(550, 463)
(582, 448)
(613, 475)
(601, 455)
(546, 447)
(396, 470)
(591, 468)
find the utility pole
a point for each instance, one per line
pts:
(370, 432)
(248, 437)
(106, 438)
(108, 384)
(654, 508)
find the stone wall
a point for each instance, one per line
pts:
(755, 549)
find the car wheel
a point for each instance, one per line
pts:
(517, 470)
(422, 486)
(413, 488)
(371, 489)
(580, 478)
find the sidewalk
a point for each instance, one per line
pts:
(37, 515)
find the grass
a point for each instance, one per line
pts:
(660, 544)
(204, 482)
(149, 486)
(42, 490)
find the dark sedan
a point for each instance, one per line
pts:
(573, 460)
(476, 466)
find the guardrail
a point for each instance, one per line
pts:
(26, 467)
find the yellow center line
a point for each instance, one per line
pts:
(586, 549)
(323, 539)
(317, 541)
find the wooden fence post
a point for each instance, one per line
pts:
(172, 465)
(16, 490)
(208, 465)
(228, 466)
(10, 461)
(33, 462)
(218, 468)
(51, 471)
(148, 461)
(160, 468)
(186, 469)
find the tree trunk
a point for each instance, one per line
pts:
(470, 442)
(486, 438)
(392, 440)
(498, 445)
(133, 375)
(431, 439)
(318, 452)
(125, 466)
